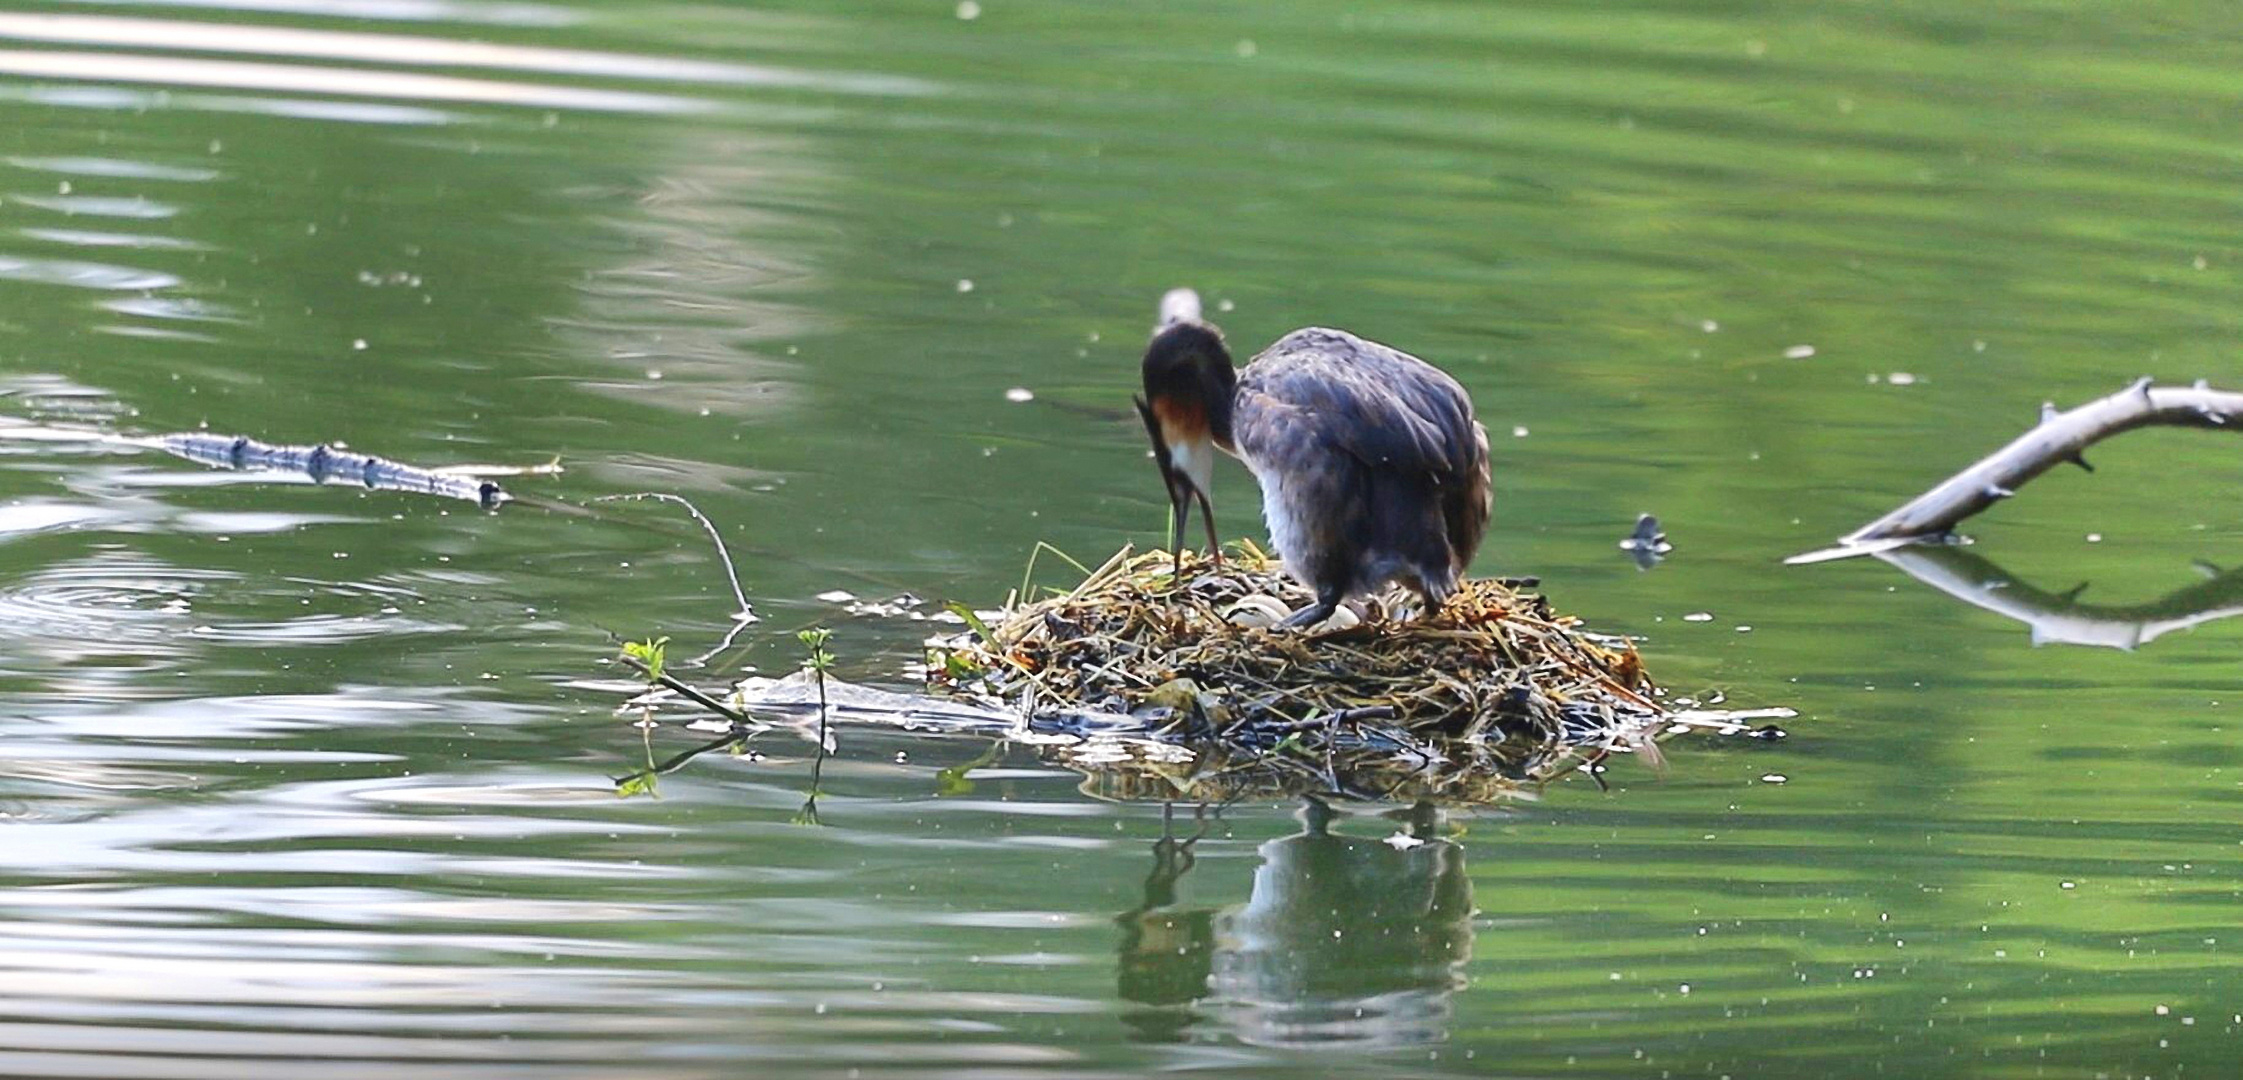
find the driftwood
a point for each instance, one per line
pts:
(325, 464)
(2060, 437)
(2061, 617)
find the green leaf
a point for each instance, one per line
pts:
(638, 783)
(814, 639)
(649, 653)
(973, 622)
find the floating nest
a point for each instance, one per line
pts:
(1494, 693)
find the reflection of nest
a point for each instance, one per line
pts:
(1493, 690)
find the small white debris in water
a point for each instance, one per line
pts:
(968, 11)
(2068, 885)
(1698, 616)
(965, 285)
(1799, 352)
(654, 374)
(1020, 393)
(1744, 628)
(1709, 326)
(2094, 538)
(1519, 432)
(1225, 305)
(2162, 1010)
(1901, 378)
(358, 344)
(1247, 48)
(1978, 346)
(1774, 778)
(837, 596)
(902, 757)
(2200, 262)
(1402, 841)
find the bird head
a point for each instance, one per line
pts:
(1187, 410)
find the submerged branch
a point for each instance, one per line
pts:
(2057, 439)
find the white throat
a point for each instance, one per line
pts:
(1195, 459)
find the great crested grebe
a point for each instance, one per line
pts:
(1373, 470)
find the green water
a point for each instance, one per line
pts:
(306, 775)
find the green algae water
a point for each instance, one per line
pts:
(308, 780)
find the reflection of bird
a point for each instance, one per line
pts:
(1348, 939)
(1166, 948)
(1372, 467)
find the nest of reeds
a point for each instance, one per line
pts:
(1493, 691)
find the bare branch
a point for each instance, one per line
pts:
(2058, 438)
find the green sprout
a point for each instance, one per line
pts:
(817, 660)
(649, 655)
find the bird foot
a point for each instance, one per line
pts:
(1309, 616)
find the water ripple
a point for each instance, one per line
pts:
(293, 78)
(114, 167)
(47, 396)
(132, 208)
(120, 99)
(84, 275)
(90, 238)
(112, 604)
(450, 11)
(418, 51)
(184, 308)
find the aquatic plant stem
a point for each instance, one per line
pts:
(2060, 437)
(816, 663)
(687, 691)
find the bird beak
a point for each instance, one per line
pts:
(1183, 490)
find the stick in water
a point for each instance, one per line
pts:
(2060, 437)
(746, 612)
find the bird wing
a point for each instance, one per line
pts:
(1380, 406)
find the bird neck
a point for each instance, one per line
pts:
(1219, 418)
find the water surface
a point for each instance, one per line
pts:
(299, 773)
